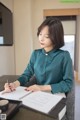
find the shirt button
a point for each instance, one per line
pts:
(46, 54)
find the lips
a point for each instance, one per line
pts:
(42, 43)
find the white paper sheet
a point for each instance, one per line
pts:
(42, 101)
(19, 93)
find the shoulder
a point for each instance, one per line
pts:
(66, 56)
(64, 53)
(37, 51)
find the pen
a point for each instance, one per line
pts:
(9, 85)
(4, 91)
(7, 82)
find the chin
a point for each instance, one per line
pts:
(42, 46)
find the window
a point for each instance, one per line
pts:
(69, 45)
(1, 40)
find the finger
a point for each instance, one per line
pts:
(12, 89)
(27, 89)
(6, 85)
(5, 91)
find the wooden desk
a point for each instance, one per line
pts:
(26, 113)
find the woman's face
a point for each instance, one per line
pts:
(44, 39)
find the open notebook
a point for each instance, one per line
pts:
(41, 101)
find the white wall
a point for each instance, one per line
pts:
(7, 62)
(7, 65)
(22, 33)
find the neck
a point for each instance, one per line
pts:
(48, 49)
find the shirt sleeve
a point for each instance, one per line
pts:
(28, 72)
(66, 83)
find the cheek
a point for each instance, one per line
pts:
(39, 38)
(49, 42)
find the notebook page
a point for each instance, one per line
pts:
(19, 93)
(41, 101)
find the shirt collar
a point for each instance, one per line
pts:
(50, 53)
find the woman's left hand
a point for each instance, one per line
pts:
(34, 88)
(38, 88)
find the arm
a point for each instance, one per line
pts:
(66, 83)
(22, 80)
(16, 83)
(39, 88)
(29, 71)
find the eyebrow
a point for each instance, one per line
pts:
(44, 34)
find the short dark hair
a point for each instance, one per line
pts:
(56, 32)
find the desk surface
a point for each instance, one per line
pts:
(26, 113)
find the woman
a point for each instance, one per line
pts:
(51, 66)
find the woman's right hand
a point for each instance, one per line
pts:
(9, 87)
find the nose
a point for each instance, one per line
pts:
(41, 38)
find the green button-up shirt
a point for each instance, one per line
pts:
(52, 68)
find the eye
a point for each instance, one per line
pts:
(47, 37)
(40, 33)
